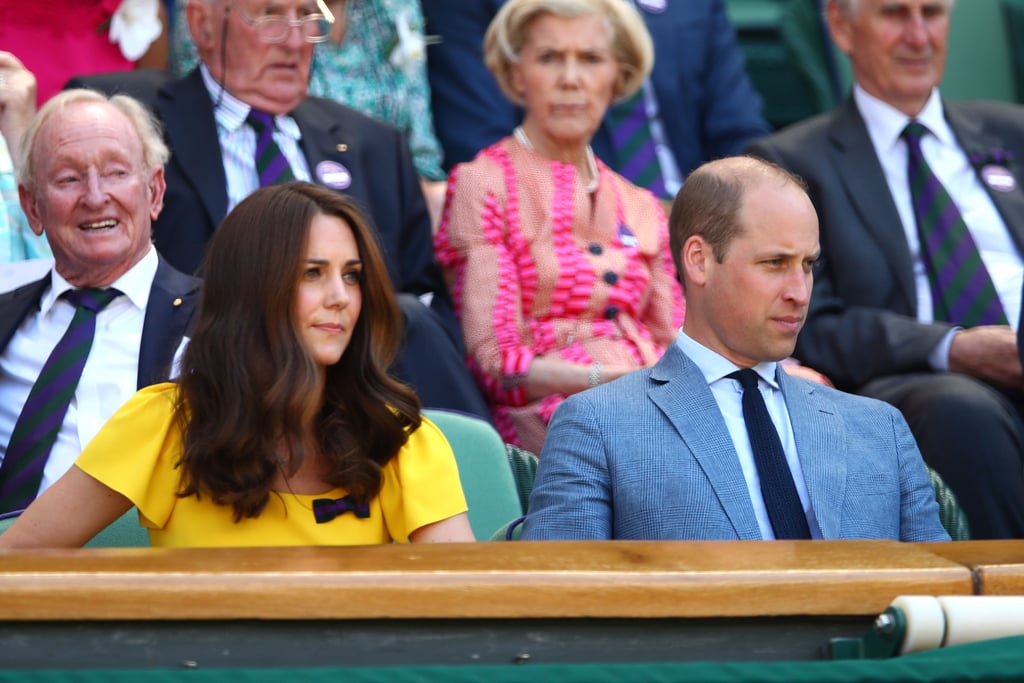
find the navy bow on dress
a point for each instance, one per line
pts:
(326, 509)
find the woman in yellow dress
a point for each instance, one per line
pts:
(284, 427)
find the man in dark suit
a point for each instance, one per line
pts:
(93, 182)
(708, 107)
(668, 453)
(254, 58)
(876, 324)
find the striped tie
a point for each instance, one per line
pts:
(43, 413)
(962, 291)
(634, 146)
(271, 165)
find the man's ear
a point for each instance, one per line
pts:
(31, 210)
(696, 256)
(839, 26)
(199, 18)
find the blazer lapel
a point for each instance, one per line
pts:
(972, 136)
(681, 392)
(16, 305)
(322, 140)
(190, 126)
(168, 314)
(856, 164)
(820, 436)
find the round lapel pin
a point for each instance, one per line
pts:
(333, 175)
(653, 6)
(998, 178)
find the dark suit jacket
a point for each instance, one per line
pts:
(172, 301)
(708, 105)
(862, 322)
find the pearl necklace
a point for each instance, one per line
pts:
(520, 136)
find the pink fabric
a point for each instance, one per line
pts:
(58, 39)
(514, 241)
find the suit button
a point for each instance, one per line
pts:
(611, 277)
(611, 312)
(595, 249)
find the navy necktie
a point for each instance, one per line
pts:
(41, 417)
(777, 488)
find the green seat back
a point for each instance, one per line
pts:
(952, 517)
(790, 60)
(483, 468)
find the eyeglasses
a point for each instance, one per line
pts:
(274, 28)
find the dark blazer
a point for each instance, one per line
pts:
(709, 107)
(862, 321)
(649, 457)
(172, 301)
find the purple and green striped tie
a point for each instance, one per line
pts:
(962, 290)
(41, 417)
(271, 164)
(634, 145)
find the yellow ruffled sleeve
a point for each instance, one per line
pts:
(421, 484)
(136, 451)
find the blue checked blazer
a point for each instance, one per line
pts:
(649, 457)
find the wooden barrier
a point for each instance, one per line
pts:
(609, 579)
(997, 566)
(411, 605)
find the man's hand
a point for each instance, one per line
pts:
(17, 100)
(989, 353)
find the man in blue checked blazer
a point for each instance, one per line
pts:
(663, 453)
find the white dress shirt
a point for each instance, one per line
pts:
(111, 372)
(238, 141)
(953, 169)
(729, 395)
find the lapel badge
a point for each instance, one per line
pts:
(333, 175)
(999, 178)
(653, 6)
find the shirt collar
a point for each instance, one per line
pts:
(885, 123)
(134, 284)
(231, 112)
(715, 367)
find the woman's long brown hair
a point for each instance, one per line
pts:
(251, 397)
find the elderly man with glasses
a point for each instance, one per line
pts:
(244, 119)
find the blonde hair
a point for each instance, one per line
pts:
(631, 42)
(154, 152)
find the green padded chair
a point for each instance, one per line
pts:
(952, 517)
(123, 532)
(484, 469)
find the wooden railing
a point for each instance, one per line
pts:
(603, 579)
(410, 605)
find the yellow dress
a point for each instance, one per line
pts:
(136, 452)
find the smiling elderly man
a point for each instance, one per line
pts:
(92, 180)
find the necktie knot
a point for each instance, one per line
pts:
(260, 120)
(746, 377)
(272, 165)
(914, 131)
(91, 298)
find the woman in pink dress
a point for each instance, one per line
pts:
(560, 268)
